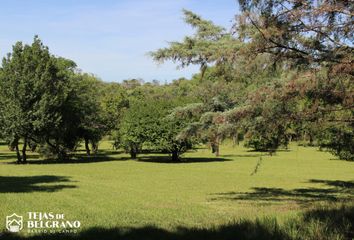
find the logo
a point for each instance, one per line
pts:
(14, 223)
(42, 222)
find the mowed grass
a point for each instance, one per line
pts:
(111, 191)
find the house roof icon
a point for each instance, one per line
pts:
(14, 215)
(14, 222)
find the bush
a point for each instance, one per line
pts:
(339, 140)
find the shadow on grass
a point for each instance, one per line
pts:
(12, 156)
(27, 184)
(110, 155)
(267, 152)
(7, 156)
(241, 155)
(349, 185)
(336, 190)
(339, 218)
(82, 152)
(167, 159)
(242, 230)
(320, 223)
(79, 157)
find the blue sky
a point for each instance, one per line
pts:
(109, 38)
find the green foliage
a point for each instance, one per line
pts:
(321, 55)
(34, 86)
(171, 140)
(147, 124)
(218, 90)
(209, 45)
(46, 103)
(113, 100)
(303, 33)
(140, 124)
(339, 140)
(94, 123)
(291, 76)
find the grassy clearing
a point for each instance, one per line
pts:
(116, 197)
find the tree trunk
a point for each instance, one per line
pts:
(217, 150)
(311, 140)
(94, 147)
(24, 148)
(87, 147)
(175, 157)
(235, 140)
(217, 147)
(62, 155)
(19, 158)
(133, 152)
(213, 147)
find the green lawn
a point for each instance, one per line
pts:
(113, 193)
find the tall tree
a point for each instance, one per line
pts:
(209, 45)
(46, 103)
(300, 52)
(94, 124)
(139, 125)
(32, 87)
(315, 38)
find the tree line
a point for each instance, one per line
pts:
(283, 73)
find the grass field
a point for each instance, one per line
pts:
(204, 196)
